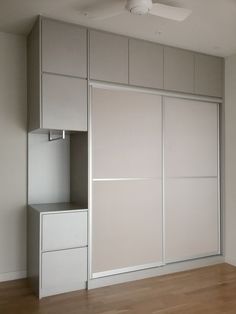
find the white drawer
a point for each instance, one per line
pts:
(64, 271)
(64, 231)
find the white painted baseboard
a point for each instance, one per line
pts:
(157, 271)
(14, 275)
(231, 261)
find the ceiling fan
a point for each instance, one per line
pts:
(109, 8)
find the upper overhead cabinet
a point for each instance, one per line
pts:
(145, 64)
(57, 72)
(208, 75)
(178, 70)
(108, 57)
(64, 48)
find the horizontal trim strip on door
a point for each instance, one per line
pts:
(160, 92)
(192, 177)
(126, 179)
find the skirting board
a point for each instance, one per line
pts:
(14, 275)
(153, 272)
(231, 261)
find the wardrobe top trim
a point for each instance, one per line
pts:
(160, 92)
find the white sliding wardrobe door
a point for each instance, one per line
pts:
(191, 179)
(126, 198)
(191, 218)
(127, 224)
(126, 130)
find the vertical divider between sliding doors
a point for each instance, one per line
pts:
(220, 233)
(163, 180)
(90, 182)
(90, 173)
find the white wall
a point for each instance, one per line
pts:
(13, 153)
(230, 160)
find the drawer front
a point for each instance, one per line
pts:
(64, 270)
(64, 231)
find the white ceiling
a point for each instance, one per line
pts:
(211, 28)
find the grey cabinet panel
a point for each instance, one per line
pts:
(33, 77)
(108, 57)
(64, 103)
(178, 70)
(208, 75)
(126, 134)
(64, 48)
(145, 64)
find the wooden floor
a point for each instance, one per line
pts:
(206, 290)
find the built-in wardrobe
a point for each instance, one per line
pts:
(124, 158)
(154, 179)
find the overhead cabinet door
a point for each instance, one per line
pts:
(126, 181)
(145, 64)
(178, 70)
(108, 57)
(64, 103)
(191, 179)
(64, 48)
(208, 75)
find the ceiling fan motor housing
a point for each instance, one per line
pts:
(139, 7)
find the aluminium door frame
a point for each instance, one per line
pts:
(116, 86)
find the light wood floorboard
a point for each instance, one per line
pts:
(202, 291)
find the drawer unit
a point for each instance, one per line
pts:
(64, 231)
(57, 248)
(64, 270)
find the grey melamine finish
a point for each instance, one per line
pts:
(34, 77)
(191, 216)
(126, 134)
(145, 64)
(64, 48)
(108, 57)
(208, 75)
(64, 271)
(79, 168)
(64, 103)
(191, 138)
(64, 230)
(178, 70)
(58, 207)
(48, 169)
(33, 249)
(57, 248)
(127, 224)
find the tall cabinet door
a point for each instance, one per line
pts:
(191, 179)
(126, 130)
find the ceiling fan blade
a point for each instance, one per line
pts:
(104, 9)
(170, 12)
